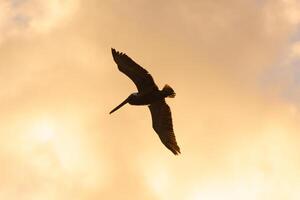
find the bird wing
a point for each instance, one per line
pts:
(163, 126)
(141, 78)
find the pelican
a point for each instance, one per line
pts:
(150, 95)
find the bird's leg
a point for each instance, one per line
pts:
(119, 106)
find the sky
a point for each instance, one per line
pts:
(233, 64)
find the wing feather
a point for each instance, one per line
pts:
(163, 126)
(141, 78)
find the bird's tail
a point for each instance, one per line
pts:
(168, 91)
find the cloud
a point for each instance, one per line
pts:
(238, 139)
(30, 17)
(291, 11)
(295, 50)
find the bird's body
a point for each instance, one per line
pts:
(146, 98)
(149, 94)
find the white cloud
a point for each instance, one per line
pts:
(33, 16)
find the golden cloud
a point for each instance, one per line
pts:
(239, 140)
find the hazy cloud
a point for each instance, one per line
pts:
(225, 59)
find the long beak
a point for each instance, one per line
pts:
(119, 106)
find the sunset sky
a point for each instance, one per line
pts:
(235, 67)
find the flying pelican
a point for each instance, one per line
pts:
(149, 94)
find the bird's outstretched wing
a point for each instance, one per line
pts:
(163, 126)
(141, 78)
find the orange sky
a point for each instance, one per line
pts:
(233, 64)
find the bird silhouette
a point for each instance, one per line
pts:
(150, 95)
